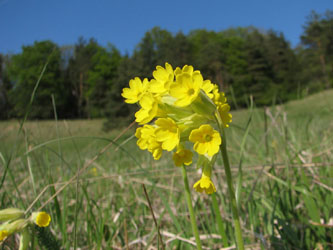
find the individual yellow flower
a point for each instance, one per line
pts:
(136, 90)
(208, 87)
(155, 148)
(10, 214)
(186, 69)
(206, 140)
(218, 97)
(167, 133)
(93, 171)
(226, 117)
(186, 88)
(147, 140)
(3, 235)
(148, 111)
(41, 219)
(163, 77)
(182, 156)
(205, 184)
(144, 134)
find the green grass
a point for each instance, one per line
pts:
(286, 190)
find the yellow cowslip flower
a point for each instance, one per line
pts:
(218, 97)
(137, 88)
(155, 148)
(167, 133)
(163, 77)
(41, 219)
(3, 235)
(205, 184)
(144, 134)
(182, 156)
(148, 111)
(208, 87)
(186, 69)
(147, 140)
(206, 140)
(186, 88)
(226, 117)
(10, 214)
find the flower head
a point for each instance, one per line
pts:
(178, 106)
(41, 219)
(206, 140)
(205, 184)
(182, 156)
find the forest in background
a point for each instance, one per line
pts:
(85, 80)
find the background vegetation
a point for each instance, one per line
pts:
(86, 79)
(92, 185)
(90, 180)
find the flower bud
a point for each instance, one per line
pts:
(41, 219)
(203, 105)
(10, 214)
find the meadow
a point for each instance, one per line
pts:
(91, 182)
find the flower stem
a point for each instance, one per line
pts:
(219, 221)
(234, 209)
(190, 209)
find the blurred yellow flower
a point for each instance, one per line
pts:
(41, 219)
(226, 117)
(182, 156)
(206, 140)
(3, 235)
(205, 184)
(137, 88)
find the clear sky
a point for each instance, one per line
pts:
(124, 22)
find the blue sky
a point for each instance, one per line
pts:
(124, 22)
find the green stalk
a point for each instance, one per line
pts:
(234, 209)
(219, 221)
(190, 209)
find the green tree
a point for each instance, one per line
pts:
(24, 71)
(317, 40)
(79, 65)
(5, 87)
(101, 80)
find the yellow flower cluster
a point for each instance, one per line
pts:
(13, 221)
(184, 108)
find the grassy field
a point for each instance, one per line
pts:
(90, 182)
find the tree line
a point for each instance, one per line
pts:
(85, 80)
